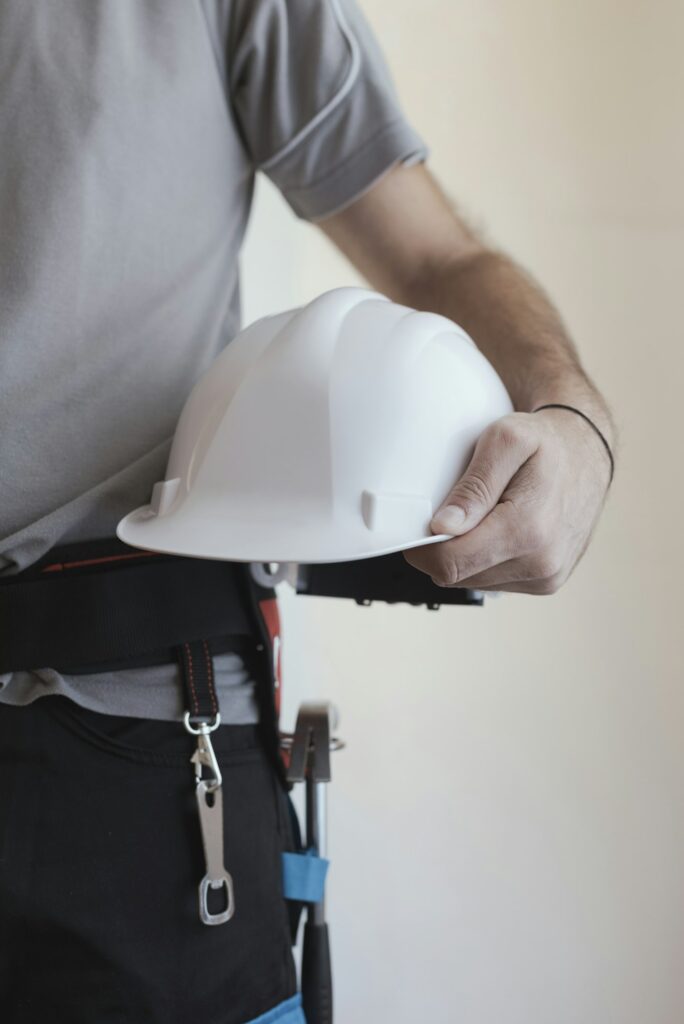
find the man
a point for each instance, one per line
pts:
(131, 132)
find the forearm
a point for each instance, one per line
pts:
(522, 512)
(514, 325)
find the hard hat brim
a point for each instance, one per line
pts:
(240, 541)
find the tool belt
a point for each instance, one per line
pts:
(90, 606)
(100, 605)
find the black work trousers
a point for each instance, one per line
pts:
(100, 861)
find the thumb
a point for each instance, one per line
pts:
(499, 453)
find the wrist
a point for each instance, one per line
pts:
(589, 425)
(580, 395)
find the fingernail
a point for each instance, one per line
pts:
(449, 519)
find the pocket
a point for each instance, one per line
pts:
(149, 741)
(116, 847)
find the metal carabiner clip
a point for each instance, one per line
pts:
(210, 808)
(205, 755)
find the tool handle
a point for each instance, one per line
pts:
(317, 1001)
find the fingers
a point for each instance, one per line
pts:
(514, 548)
(518, 576)
(493, 556)
(492, 542)
(522, 514)
(499, 454)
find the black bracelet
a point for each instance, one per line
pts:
(571, 408)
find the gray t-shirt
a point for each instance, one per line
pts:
(130, 134)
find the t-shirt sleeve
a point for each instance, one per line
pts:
(314, 101)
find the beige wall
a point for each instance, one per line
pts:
(507, 822)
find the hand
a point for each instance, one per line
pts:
(523, 512)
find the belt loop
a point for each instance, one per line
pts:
(197, 672)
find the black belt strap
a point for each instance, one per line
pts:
(90, 614)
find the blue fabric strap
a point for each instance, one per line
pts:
(289, 1012)
(304, 876)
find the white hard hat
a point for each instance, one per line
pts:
(327, 433)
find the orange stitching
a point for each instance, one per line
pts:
(210, 678)
(190, 677)
(58, 566)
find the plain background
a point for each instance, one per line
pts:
(507, 822)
